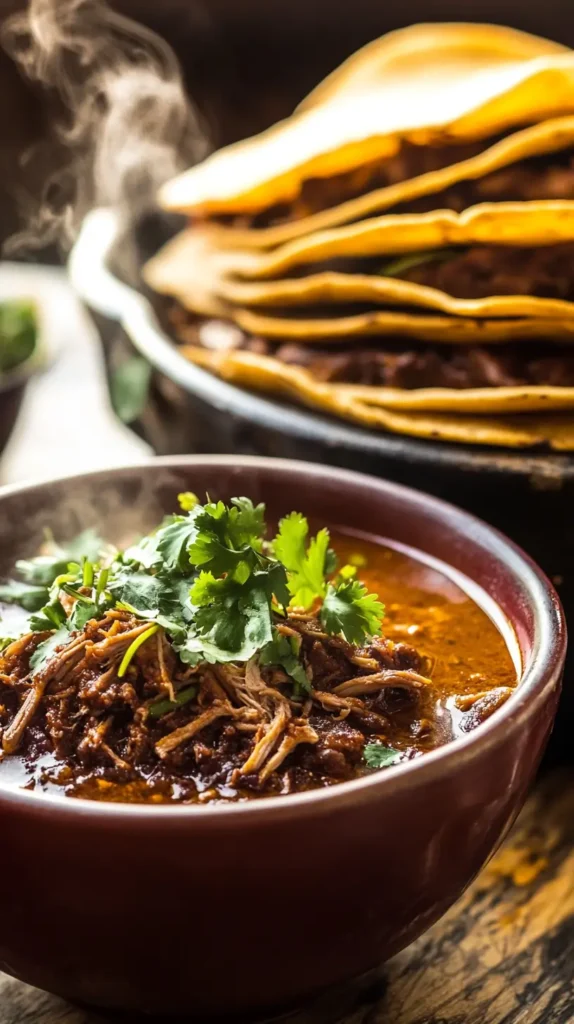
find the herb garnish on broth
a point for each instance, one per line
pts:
(206, 662)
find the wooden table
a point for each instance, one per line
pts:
(503, 955)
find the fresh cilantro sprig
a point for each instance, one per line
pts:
(207, 577)
(308, 565)
(377, 755)
(283, 652)
(350, 610)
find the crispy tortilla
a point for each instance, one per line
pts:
(192, 273)
(331, 288)
(189, 267)
(537, 223)
(539, 139)
(198, 273)
(441, 329)
(426, 84)
(375, 407)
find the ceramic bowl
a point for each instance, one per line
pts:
(255, 907)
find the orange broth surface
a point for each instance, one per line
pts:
(426, 608)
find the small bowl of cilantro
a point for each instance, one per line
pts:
(19, 359)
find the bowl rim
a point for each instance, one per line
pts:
(108, 296)
(543, 673)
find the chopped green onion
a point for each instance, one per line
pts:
(66, 577)
(102, 581)
(162, 707)
(88, 574)
(74, 593)
(55, 614)
(134, 646)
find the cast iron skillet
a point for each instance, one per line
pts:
(248, 907)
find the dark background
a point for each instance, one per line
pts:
(246, 62)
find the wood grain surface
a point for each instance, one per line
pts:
(503, 955)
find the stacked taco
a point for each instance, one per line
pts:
(400, 251)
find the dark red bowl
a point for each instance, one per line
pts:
(245, 908)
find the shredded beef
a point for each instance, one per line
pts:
(546, 177)
(244, 731)
(394, 362)
(321, 193)
(432, 366)
(550, 176)
(480, 271)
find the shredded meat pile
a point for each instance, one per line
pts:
(244, 731)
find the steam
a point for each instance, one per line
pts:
(127, 124)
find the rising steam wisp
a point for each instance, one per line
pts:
(127, 124)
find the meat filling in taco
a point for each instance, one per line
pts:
(388, 363)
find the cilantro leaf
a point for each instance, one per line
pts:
(47, 648)
(350, 609)
(50, 616)
(144, 552)
(283, 651)
(27, 595)
(161, 598)
(174, 539)
(377, 755)
(137, 589)
(289, 544)
(82, 612)
(307, 565)
(43, 570)
(208, 589)
(233, 620)
(246, 523)
(313, 568)
(228, 539)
